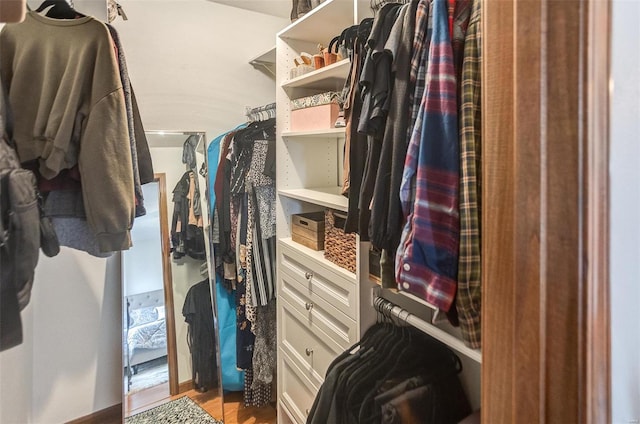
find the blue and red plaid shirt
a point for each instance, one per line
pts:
(427, 258)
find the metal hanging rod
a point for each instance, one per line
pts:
(389, 308)
(174, 132)
(261, 113)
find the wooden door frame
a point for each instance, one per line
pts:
(172, 349)
(545, 243)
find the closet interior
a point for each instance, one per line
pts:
(334, 231)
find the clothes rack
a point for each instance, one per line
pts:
(261, 113)
(386, 307)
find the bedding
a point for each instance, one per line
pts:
(146, 335)
(149, 335)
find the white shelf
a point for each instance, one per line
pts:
(265, 58)
(318, 255)
(328, 197)
(321, 24)
(325, 77)
(328, 133)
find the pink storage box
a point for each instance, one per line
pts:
(321, 117)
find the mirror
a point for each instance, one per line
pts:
(170, 334)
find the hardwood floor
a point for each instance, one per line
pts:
(146, 399)
(234, 410)
(236, 413)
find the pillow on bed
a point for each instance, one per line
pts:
(143, 316)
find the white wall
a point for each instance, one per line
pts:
(188, 63)
(15, 376)
(625, 212)
(142, 264)
(77, 337)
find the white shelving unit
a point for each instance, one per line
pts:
(332, 132)
(309, 178)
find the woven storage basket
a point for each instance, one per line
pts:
(339, 248)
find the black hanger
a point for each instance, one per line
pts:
(61, 10)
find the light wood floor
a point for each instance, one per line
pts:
(234, 410)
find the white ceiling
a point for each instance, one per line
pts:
(279, 8)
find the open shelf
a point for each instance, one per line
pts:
(328, 133)
(323, 78)
(329, 197)
(318, 255)
(321, 24)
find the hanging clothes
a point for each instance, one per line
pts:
(187, 235)
(375, 81)
(90, 114)
(232, 378)
(415, 177)
(399, 48)
(392, 375)
(198, 313)
(356, 142)
(245, 205)
(468, 301)
(140, 154)
(427, 260)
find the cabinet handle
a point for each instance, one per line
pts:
(308, 275)
(308, 351)
(308, 306)
(306, 411)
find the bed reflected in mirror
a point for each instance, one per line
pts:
(170, 336)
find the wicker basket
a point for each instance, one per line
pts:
(339, 248)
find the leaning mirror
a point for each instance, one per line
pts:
(170, 330)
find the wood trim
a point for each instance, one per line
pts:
(545, 229)
(185, 386)
(172, 354)
(597, 288)
(110, 415)
(498, 219)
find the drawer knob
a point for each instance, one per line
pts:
(308, 306)
(306, 411)
(308, 351)
(308, 275)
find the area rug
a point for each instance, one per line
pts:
(179, 411)
(150, 374)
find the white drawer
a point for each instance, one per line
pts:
(297, 392)
(284, 416)
(313, 349)
(320, 281)
(319, 315)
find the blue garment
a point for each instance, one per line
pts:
(427, 258)
(232, 378)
